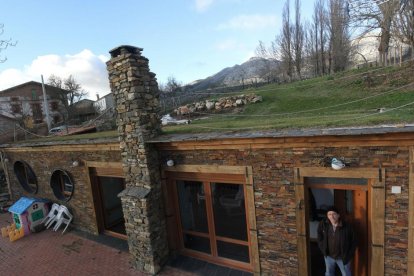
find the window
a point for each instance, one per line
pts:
(16, 108)
(56, 119)
(25, 176)
(54, 106)
(37, 112)
(62, 185)
(34, 94)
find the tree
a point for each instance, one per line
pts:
(298, 40)
(5, 43)
(269, 70)
(403, 24)
(284, 42)
(73, 93)
(372, 15)
(339, 37)
(172, 85)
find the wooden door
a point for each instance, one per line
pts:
(352, 205)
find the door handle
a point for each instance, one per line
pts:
(299, 205)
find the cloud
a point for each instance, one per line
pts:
(203, 5)
(228, 44)
(249, 22)
(87, 68)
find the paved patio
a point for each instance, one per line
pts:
(74, 253)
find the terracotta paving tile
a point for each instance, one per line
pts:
(51, 253)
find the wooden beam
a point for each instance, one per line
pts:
(410, 262)
(391, 139)
(344, 173)
(207, 169)
(64, 148)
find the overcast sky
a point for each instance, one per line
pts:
(187, 39)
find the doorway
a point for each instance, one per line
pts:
(350, 197)
(108, 206)
(211, 216)
(360, 196)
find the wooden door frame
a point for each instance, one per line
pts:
(376, 212)
(244, 176)
(104, 169)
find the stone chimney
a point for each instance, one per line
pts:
(97, 97)
(135, 91)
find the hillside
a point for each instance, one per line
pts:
(254, 70)
(371, 96)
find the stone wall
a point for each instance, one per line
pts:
(44, 162)
(273, 177)
(136, 98)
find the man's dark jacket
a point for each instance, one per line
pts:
(348, 240)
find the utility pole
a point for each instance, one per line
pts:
(45, 104)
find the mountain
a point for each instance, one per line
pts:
(254, 70)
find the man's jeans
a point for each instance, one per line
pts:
(330, 264)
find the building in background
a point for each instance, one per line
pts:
(24, 104)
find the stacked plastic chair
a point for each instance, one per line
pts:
(63, 217)
(58, 214)
(49, 219)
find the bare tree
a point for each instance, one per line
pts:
(339, 37)
(5, 43)
(284, 42)
(403, 24)
(298, 39)
(372, 15)
(172, 85)
(320, 10)
(72, 92)
(269, 70)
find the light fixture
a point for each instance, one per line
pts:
(337, 164)
(76, 162)
(170, 163)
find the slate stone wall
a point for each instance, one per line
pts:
(136, 97)
(274, 190)
(44, 162)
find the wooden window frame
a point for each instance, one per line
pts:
(24, 177)
(376, 213)
(58, 183)
(207, 174)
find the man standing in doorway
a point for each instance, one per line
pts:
(337, 241)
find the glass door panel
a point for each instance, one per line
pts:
(111, 204)
(193, 214)
(229, 211)
(230, 221)
(233, 251)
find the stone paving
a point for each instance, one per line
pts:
(51, 253)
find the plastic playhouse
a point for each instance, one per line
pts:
(27, 213)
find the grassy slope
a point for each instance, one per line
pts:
(322, 102)
(319, 102)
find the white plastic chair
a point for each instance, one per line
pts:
(63, 216)
(51, 215)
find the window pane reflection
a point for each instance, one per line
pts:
(192, 206)
(197, 243)
(229, 211)
(233, 251)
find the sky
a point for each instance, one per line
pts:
(185, 39)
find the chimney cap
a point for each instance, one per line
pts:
(123, 49)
